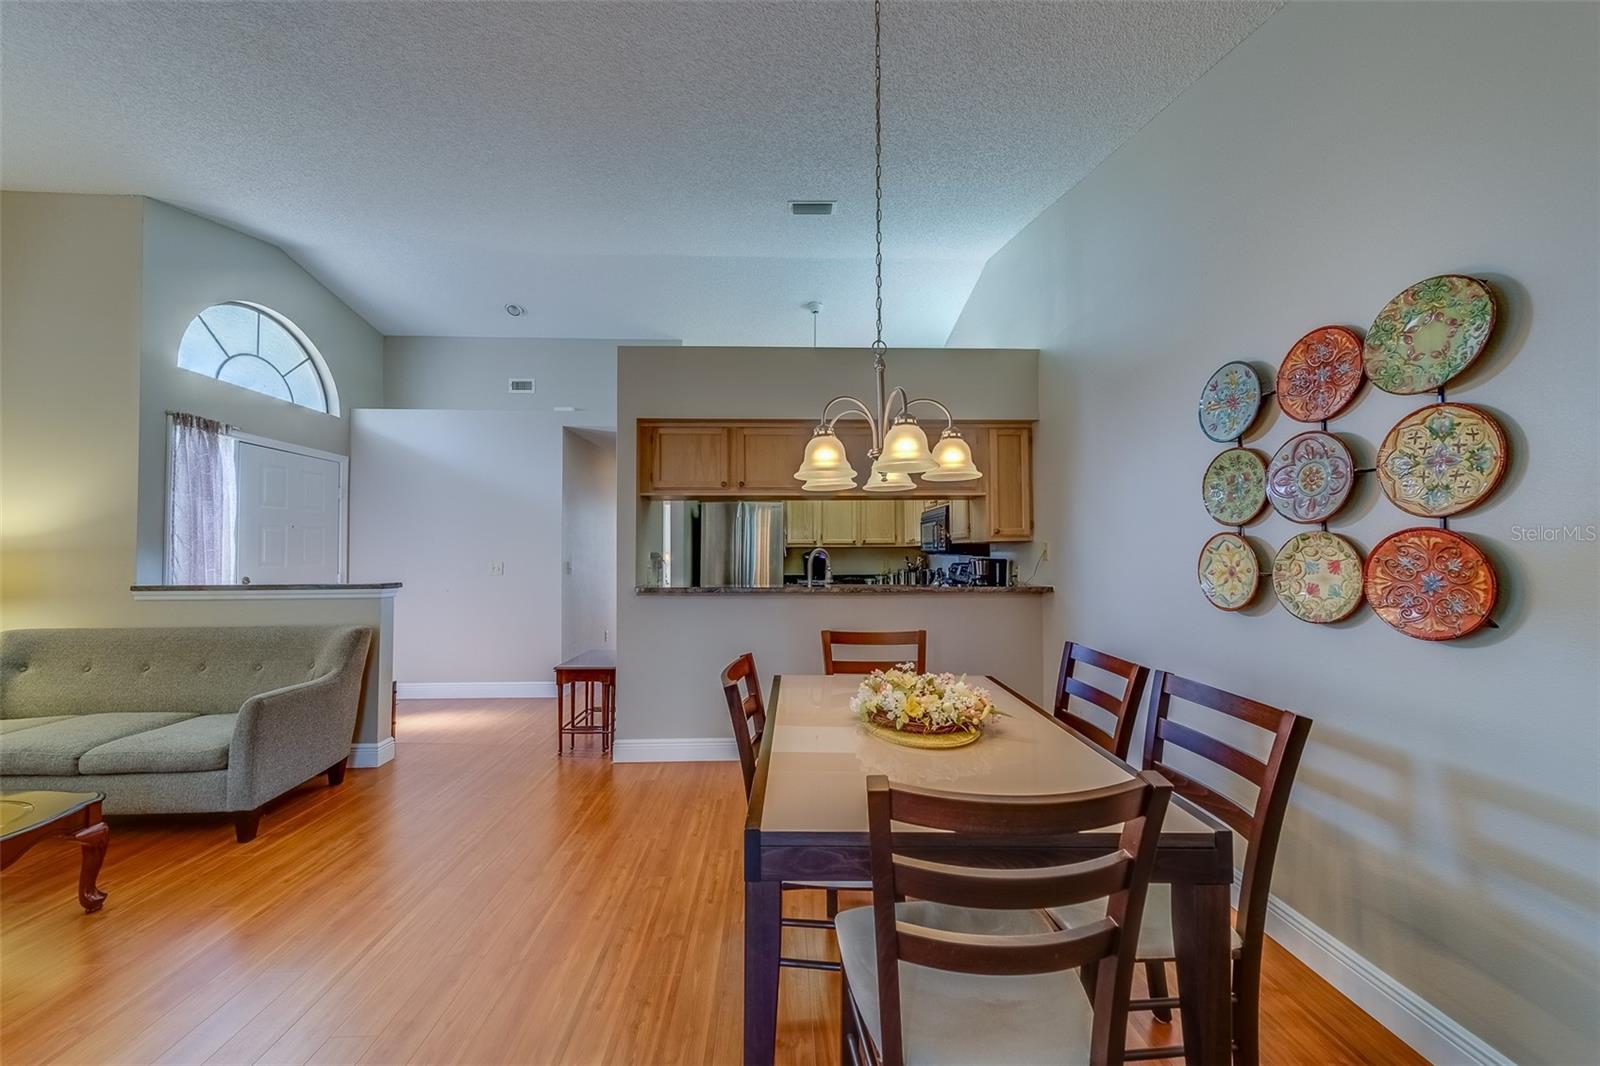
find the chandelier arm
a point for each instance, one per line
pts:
(859, 409)
(949, 419)
(889, 404)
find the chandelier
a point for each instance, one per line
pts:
(899, 446)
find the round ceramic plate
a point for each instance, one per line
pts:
(1310, 477)
(1442, 459)
(1432, 584)
(1229, 571)
(1429, 334)
(1230, 401)
(923, 740)
(1320, 375)
(1235, 486)
(1317, 576)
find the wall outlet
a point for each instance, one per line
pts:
(497, 569)
(1044, 552)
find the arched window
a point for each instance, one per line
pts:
(257, 349)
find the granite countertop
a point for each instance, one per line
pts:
(852, 590)
(265, 588)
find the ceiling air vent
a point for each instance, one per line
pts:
(521, 385)
(811, 207)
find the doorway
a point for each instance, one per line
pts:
(588, 540)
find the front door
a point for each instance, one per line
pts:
(290, 517)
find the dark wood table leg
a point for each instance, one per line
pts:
(763, 913)
(93, 839)
(1200, 934)
(561, 700)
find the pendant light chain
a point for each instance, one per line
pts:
(877, 154)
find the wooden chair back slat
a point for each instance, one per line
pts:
(1123, 708)
(747, 711)
(1107, 947)
(1238, 819)
(1246, 766)
(905, 638)
(1262, 715)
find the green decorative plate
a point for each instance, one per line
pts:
(1229, 572)
(1429, 334)
(1234, 487)
(1317, 577)
(1442, 459)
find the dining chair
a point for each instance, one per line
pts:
(905, 638)
(1124, 709)
(741, 685)
(969, 968)
(1261, 826)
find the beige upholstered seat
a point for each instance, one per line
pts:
(961, 1018)
(1155, 933)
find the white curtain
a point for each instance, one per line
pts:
(204, 502)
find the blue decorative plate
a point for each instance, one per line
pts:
(1230, 402)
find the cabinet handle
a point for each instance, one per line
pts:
(724, 484)
(741, 484)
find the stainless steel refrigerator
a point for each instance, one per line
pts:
(741, 543)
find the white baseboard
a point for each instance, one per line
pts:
(366, 756)
(1432, 1033)
(476, 690)
(676, 749)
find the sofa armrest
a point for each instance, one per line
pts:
(286, 736)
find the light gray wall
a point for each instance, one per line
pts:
(588, 540)
(190, 263)
(472, 372)
(1445, 821)
(671, 648)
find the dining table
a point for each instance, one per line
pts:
(807, 822)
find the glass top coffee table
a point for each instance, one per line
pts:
(29, 817)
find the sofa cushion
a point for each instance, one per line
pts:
(194, 744)
(55, 748)
(12, 725)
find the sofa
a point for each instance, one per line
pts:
(168, 721)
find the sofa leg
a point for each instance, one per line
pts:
(245, 824)
(336, 772)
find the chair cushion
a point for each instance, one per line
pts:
(960, 1018)
(55, 748)
(1155, 932)
(195, 744)
(13, 725)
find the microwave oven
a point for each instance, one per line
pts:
(936, 529)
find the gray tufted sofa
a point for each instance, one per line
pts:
(179, 720)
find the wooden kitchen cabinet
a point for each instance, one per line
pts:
(802, 523)
(878, 522)
(766, 457)
(688, 457)
(911, 523)
(1008, 506)
(838, 523)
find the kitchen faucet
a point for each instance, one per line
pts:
(827, 566)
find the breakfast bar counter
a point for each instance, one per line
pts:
(847, 589)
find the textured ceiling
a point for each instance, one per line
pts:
(621, 169)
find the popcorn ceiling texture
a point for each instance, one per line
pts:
(619, 168)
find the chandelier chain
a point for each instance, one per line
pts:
(877, 174)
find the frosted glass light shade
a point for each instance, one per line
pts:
(881, 480)
(830, 484)
(954, 457)
(825, 460)
(905, 450)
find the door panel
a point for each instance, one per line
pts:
(768, 456)
(290, 517)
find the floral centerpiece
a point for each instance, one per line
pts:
(940, 710)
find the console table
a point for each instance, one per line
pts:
(596, 672)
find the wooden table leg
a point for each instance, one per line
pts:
(1200, 934)
(93, 839)
(763, 913)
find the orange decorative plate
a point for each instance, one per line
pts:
(1432, 584)
(1317, 577)
(1229, 572)
(1320, 375)
(1442, 459)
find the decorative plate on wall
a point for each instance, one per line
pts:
(1320, 375)
(1235, 486)
(1230, 401)
(1429, 334)
(1229, 571)
(1432, 584)
(1310, 477)
(1317, 576)
(1442, 459)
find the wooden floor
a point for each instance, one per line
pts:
(476, 901)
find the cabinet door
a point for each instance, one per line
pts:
(1010, 477)
(689, 458)
(960, 521)
(879, 522)
(838, 522)
(766, 457)
(800, 523)
(911, 523)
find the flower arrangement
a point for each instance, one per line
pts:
(908, 702)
